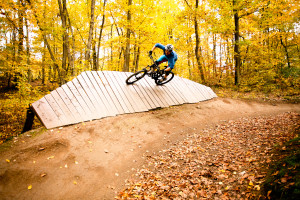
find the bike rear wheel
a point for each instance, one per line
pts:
(136, 76)
(160, 80)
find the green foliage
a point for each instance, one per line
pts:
(13, 106)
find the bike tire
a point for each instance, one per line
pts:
(136, 76)
(169, 78)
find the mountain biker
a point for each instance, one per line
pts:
(169, 55)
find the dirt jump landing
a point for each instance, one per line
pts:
(98, 94)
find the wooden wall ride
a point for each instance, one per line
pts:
(98, 94)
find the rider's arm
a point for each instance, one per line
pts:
(154, 47)
(160, 46)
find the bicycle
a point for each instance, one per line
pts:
(157, 74)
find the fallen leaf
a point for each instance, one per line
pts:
(29, 187)
(51, 157)
(283, 180)
(250, 183)
(268, 195)
(7, 160)
(257, 187)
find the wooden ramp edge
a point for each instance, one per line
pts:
(98, 94)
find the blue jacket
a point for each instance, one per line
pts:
(171, 58)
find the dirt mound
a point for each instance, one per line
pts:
(92, 160)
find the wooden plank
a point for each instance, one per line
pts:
(57, 110)
(115, 84)
(192, 90)
(210, 92)
(110, 97)
(198, 93)
(134, 88)
(65, 107)
(110, 109)
(82, 98)
(133, 97)
(46, 114)
(113, 91)
(141, 91)
(184, 90)
(90, 98)
(206, 94)
(61, 92)
(177, 88)
(93, 95)
(144, 84)
(200, 88)
(97, 99)
(151, 93)
(170, 94)
(156, 91)
(75, 101)
(162, 92)
(174, 93)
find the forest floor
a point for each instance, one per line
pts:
(216, 149)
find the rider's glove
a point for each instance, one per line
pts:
(150, 53)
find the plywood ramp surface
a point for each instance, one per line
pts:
(98, 94)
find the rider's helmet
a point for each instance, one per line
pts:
(169, 47)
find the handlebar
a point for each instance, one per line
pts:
(151, 57)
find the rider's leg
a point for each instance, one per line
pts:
(162, 59)
(167, 72)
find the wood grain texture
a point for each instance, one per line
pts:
(98, 94)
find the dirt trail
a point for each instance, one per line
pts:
(92, 160)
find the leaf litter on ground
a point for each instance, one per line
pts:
(226, 162)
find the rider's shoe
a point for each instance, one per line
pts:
(163, 79)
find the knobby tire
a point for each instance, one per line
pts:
(169, 78)
(136, 76)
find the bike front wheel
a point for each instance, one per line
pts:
(136, 76)
(160, 80)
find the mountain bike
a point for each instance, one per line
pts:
(154, 72)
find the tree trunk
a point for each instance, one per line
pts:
(63, 15)
(43, 66)
(47, 44)
(127, 50)
(21, 30)
(214, 55)
(237, 55)
(71, 55)
(29, 72)
(89, 44)
(286, 52)
(100, 36)
(198, 57)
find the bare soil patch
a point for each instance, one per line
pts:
(93, 160)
